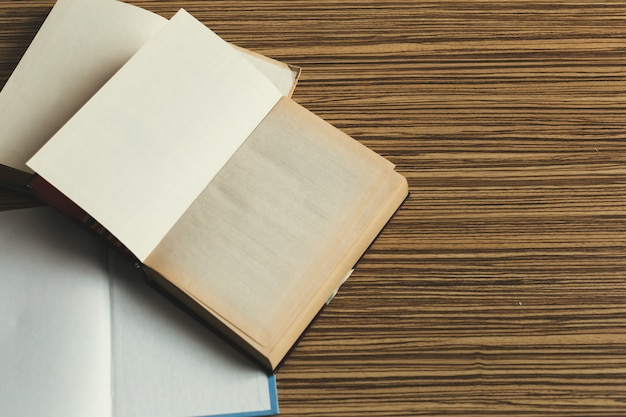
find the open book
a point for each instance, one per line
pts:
(236, 200)
(81, 335)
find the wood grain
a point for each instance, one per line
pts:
(500, 286)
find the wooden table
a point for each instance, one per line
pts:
(499, 288)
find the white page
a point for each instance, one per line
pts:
(58, 333)
(81, 44)
(167, 364)
(143, 148)
(54, 318)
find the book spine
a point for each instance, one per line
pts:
(14, 179)
(48, 194)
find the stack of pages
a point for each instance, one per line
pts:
(187, 155)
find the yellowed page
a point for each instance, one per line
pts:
(249, 246)
(141, 150)
(79, 47)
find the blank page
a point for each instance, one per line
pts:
(141, 150)
(81, 44)
(54, 318)
(78, 48)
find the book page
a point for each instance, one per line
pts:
(141, 150)
(81, 44)
(54, 318)
(251, 247)
(167, 364)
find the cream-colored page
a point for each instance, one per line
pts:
(142, 149)
(81, 44)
